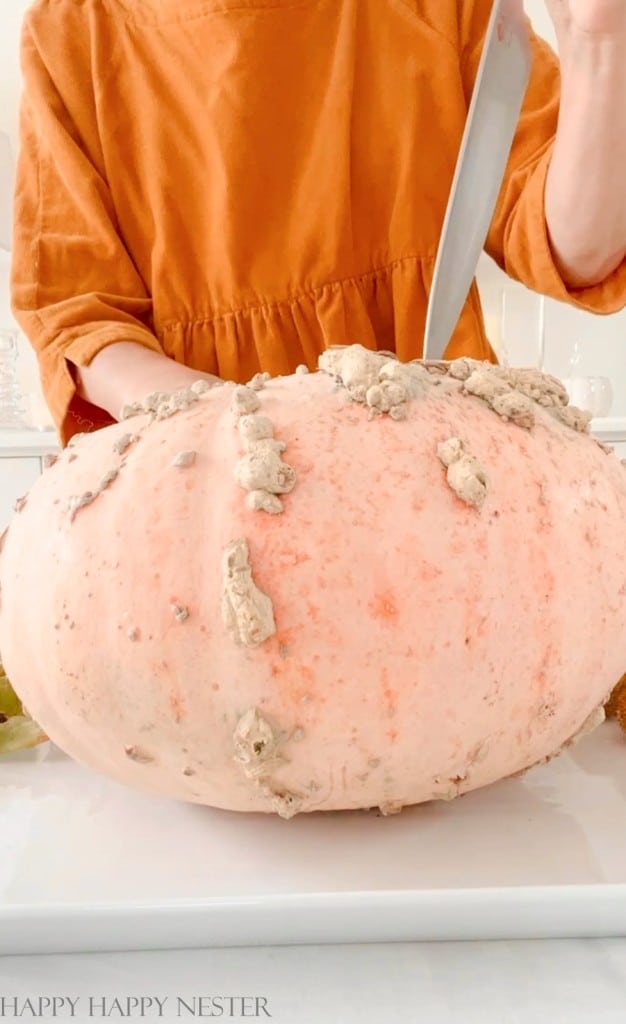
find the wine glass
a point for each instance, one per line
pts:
(12, 404)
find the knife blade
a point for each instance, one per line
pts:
(494, 111)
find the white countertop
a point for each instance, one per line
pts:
(610, 428)
(575, 982)
(25, 443)
(88, 865)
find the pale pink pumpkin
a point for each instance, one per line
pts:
(380, 641)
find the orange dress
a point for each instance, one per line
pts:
(240, 183)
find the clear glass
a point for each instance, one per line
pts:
(595, 394)
(587, 391)
(522, 328)
(12, 402)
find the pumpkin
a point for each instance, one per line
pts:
(368, 586)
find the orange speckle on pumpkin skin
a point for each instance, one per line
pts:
(177, 707)
(313, 611)
(299, 557)
(288, 556)
(383, 607)
(284, 638)
(298, 680)
(429, 572)
(389, 694)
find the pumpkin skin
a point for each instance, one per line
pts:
(381, 641)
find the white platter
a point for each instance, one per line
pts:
(87, 865)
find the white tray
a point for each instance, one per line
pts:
(87, 865)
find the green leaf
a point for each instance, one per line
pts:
(10, 703)
(17, 729)
(19, 733)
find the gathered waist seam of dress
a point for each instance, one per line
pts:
(173, 324)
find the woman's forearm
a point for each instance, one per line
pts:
(585, 201)
(126, 372)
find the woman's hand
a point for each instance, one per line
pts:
(585, 200)
(126, 372)
(596, 19)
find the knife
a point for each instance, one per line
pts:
(492, 119)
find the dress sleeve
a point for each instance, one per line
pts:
(518, 239)
(74, 286)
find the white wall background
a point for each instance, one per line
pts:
(11, 13)
(600, 342)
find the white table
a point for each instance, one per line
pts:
(551, 982)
